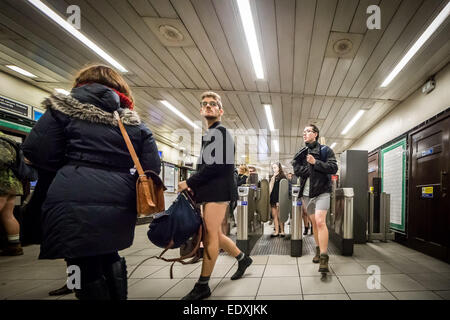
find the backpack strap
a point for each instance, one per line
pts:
(323, 154)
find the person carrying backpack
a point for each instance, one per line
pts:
(315, 165)
(214, 187)
(10, 187)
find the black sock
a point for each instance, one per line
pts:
(203, 280)
(240, 256)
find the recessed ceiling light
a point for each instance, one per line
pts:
(22, 71)
(77, 34)
(442, 16)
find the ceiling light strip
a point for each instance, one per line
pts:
(269, 117)
(22, 71)
(178, 113)
(353, 121)
(68, 27)
(250, 34)
(418, 44)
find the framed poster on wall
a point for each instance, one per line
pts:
(393, 173)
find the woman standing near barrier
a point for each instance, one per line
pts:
(10, 187)
(274, 187)
(90, 210)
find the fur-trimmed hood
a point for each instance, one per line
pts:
(73, 108)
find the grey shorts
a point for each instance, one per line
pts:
(321, 202)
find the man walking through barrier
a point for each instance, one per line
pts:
(214, 187)
(315, 164)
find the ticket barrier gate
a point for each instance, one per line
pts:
(249, 225)
(296, 223)
(379, 217)
(340, 223)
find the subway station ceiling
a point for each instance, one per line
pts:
(321, 63)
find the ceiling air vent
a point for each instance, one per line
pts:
(343, 45)
(171, 32)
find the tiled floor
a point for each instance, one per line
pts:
(404, 274)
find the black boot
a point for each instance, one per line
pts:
(116, 278)
(200, 291)
(97, 290)
(242, 266)
(306, 231)
(61, 291)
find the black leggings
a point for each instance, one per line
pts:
(92, 268)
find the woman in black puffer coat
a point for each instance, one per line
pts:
(90, 210)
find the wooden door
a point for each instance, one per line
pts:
(429, 200)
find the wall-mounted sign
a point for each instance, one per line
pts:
(37, 114)
(427, 192)
(14, 106)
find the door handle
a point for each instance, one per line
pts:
(443, 188)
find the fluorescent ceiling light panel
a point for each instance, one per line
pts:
(59, 90)
(178, 113)
(250, 34)
(77, 34)
(353, 121)
(333, 145)
(269, 117)
(418, 44)
(21, 71)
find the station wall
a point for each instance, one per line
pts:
(417, 108)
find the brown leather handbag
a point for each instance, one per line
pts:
(149, 186)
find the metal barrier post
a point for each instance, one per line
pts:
(242, 220)
(296, 223)
(371, 214)
(341, 230)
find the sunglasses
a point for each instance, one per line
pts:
(211, 103)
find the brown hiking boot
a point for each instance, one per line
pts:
(13, 249)
(324, 263)
(316, 258)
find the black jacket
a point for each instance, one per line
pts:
(90, 208)
(242, 179)
(214, 180)
(320, 173)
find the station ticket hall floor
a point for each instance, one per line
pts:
(405, 275)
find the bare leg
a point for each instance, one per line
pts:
(322, 229)
(279, 221)
(7, 216)
(275, 220)
(316, 234)
(213, 214)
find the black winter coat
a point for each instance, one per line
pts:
(320, 173)
(90, 207)
(214, 180)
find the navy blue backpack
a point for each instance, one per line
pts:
(172, 228)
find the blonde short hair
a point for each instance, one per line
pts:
(215, 96)
(243, 168)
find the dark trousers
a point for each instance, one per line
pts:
(92, 268)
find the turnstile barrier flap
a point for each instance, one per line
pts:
(283, 198)
(263, 201)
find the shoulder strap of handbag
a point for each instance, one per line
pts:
(130, 147)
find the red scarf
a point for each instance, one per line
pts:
(125, 102)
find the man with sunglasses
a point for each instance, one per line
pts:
(315, 164)
(214, 187)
